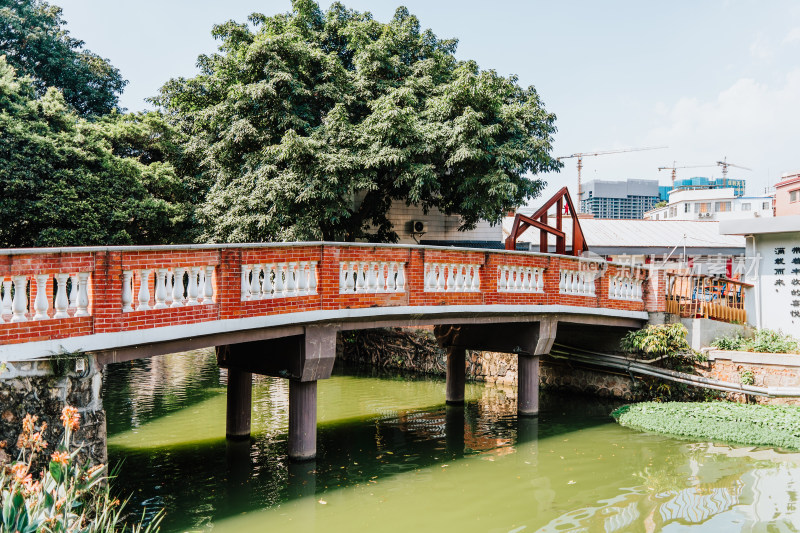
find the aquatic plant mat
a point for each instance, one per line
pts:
(754, 425)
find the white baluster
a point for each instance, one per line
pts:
(401, 277)
(430, 277)
(539, 280)
(291, 281)
(280, 285)
(161, 289)
(500, 280)
(342, 277)
(127, 290)
(178, 287)
(360, 281)
(168, 287)
(6, 313)
(255, 283)
(562, 278)
(382, 277)
(469, 277)
(476, 278)
(517, 279)
(372, 279)
(144, 290)
(245, 282)
(201, 283)
(391, 276)
(82, 308)
(268, 281)
(19, 305)
(208, 292)
(62, 302)
(441, 277)
(312, 277)
(73, 292)
(191, 292)
(41, 303)
(458, 278)
(302, 278)
(350, 282)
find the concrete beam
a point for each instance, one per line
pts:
(532, 338)
(306, 357)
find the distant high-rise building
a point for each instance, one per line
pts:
(700, 182)
(619, 199)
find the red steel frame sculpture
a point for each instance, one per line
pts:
(539, 220)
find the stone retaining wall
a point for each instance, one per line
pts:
(768, 370)
(33, 388)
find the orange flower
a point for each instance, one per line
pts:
(70, 418)
(28, 423)
(37, 443)
(60, 457)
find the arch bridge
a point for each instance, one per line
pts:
(275, 309)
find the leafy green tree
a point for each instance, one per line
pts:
(33, 38)
(62, 184)
(310, 125)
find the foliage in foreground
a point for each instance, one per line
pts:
(67, 496)
(754, 425)
(764, 341)
(309, 125)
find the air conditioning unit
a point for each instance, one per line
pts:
(705, 215)
(417, 227)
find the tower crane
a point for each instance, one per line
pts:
(602, 152)
(724, 164)
(673, 168)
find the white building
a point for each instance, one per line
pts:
(711, 204)
(773, 250)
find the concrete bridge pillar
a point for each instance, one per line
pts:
(303, 358)
(456, 375)
(302, 420)
(239, 407)
(528, 385)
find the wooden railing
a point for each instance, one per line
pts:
(706, 297)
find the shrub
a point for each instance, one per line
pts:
(66, 496)
(662, 339)
(765, 341)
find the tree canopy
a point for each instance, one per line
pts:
(66, 181)
(33, 38)
(310, 124)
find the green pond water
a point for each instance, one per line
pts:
(393, 457)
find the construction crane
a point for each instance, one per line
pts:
(673, 168)
(603, 152)
(724, 164)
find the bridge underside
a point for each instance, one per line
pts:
(305, 353)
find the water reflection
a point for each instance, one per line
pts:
(393, 457)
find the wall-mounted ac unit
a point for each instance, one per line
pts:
(417, 227)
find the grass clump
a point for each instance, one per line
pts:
(754, 425)
(764, 341)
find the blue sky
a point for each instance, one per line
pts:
(708, 79)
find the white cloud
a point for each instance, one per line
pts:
(761, 48)
(752, 123)
(792, 37)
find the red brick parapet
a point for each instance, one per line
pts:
(75, 292)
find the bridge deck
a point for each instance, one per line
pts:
(113, 298)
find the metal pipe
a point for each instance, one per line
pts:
(622, 363)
